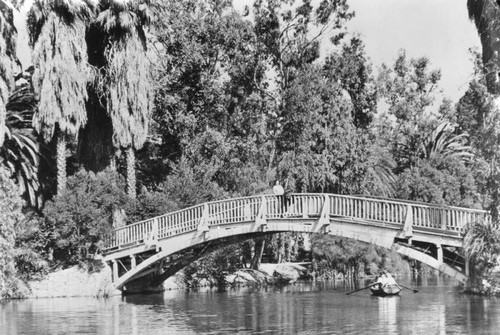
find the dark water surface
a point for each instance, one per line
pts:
(303, 308)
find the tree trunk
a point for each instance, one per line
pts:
(61, 162)
(95, 141)
(130, 171)
(259, 251)
(2, 120)
(281, 247)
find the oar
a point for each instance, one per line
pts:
(414, 291)
(363, 288)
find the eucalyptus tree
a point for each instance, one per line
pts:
(288, 38)
(57, 36)
(7, 59)
(208, 113)
(124, 77)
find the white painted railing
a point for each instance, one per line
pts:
(233, 211)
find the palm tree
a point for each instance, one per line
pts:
(21, 153)
(442, 143)
(7, 59)
(486, 16)
(438, 146)
(482, 247)
(57, 36)
(125, 78)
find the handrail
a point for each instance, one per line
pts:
(245, 209)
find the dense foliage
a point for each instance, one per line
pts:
(10, 217)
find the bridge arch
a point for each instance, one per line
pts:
(147, 248)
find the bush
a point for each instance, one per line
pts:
(77, 220)
(213, 267)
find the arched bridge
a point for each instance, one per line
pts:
(148, 252)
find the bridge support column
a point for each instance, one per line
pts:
(133, 263)
(439, 253)
(115, 270)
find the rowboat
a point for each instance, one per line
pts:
(384, 291)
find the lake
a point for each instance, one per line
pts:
(301, 308)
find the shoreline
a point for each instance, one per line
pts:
(79, 282)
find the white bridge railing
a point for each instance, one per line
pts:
(409, 215)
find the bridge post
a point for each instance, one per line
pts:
(324, 218)
(408, 225)
(152, 238)
(260, 219)
(443, 219)
(203, 223)
(439, 253)
(305, 207)
(133, 263)
(115, 270)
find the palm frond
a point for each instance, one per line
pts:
(61, 71)
(125, 77)
(127, 88)
(444, 144)
(21, 152)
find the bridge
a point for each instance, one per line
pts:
(144, 254)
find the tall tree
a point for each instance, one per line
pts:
(477, 115)
(7, 56)
(486, 16)
(57, 36)
(125, 76)
(352, 69)
(207, 109)
(288, 35)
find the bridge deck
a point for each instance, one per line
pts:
(440, 220)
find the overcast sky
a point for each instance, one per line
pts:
(437, 29)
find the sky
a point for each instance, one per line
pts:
(437, 29)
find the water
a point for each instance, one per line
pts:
(304, 308)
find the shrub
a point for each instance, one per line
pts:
(77, 220)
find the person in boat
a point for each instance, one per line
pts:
(384, 279)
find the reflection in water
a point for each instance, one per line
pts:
(318, 308)
(387, 308)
